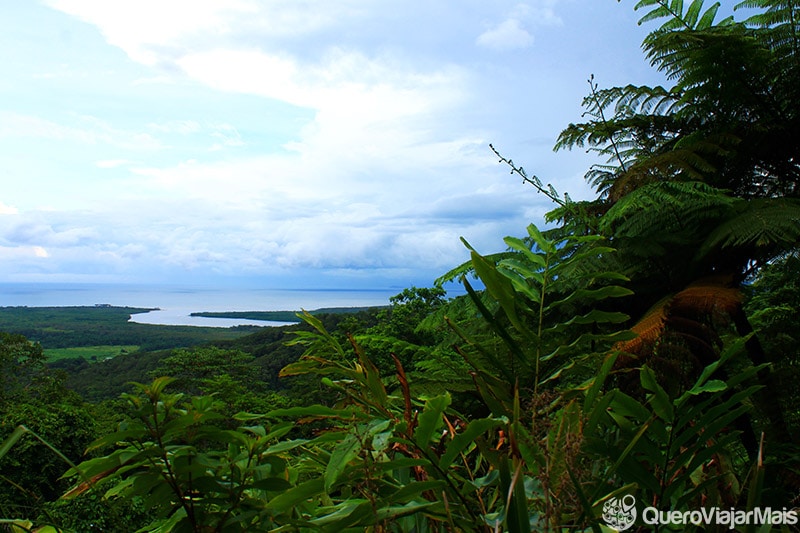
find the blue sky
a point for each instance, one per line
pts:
(288, 143)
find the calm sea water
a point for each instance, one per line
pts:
(175, 303)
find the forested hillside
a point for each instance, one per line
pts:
(642, 343)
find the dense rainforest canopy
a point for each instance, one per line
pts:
(644, 344)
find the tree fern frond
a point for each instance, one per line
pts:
(584, 212)
(630, 99)
(586, 134)
(693, 13)
(619, 140)
(686, 164)
(684, 55)
(646, 148)
(711, 295)
(642, 99)
(759, 224)
(707, 20)
(601, 177)
(780, 20)
(664, 207)
(685, 316)
(691, 19)
(689, 159)
(619, 185)
(670, 10)
(648, 329)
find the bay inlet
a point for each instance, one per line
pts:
(174, 305)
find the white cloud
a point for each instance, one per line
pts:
(8, 209)
(33, 229)
(513, 32)
(112, 163)
(227, 136)
(507, 35)
(223, 135)
(82, 129)
(145, 29)
(370, 111)
(249, 47)
(381, 164)
(182, 127)
(344, 84)
(154, 31)
(22, 253)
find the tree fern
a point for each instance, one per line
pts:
(730, 119)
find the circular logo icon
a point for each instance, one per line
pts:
(620, 513)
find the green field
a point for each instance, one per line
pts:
(90, 353)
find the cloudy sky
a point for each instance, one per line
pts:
(288, 143)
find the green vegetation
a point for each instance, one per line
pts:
(643, 345)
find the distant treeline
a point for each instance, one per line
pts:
(281, 316)
(65, 327)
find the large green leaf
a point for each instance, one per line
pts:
(430, 420)
(288, 500)
(344, 452)
(500, 287)
(462, 440)
(658, 397)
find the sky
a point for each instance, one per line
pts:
(289, 143)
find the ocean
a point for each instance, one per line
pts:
(176, 303)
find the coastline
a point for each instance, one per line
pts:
(236, 318)
(165, 317)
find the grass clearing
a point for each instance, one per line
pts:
(90, 353)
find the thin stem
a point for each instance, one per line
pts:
(604, 120)
(530, 180)
(169, 474)
(540, 326)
